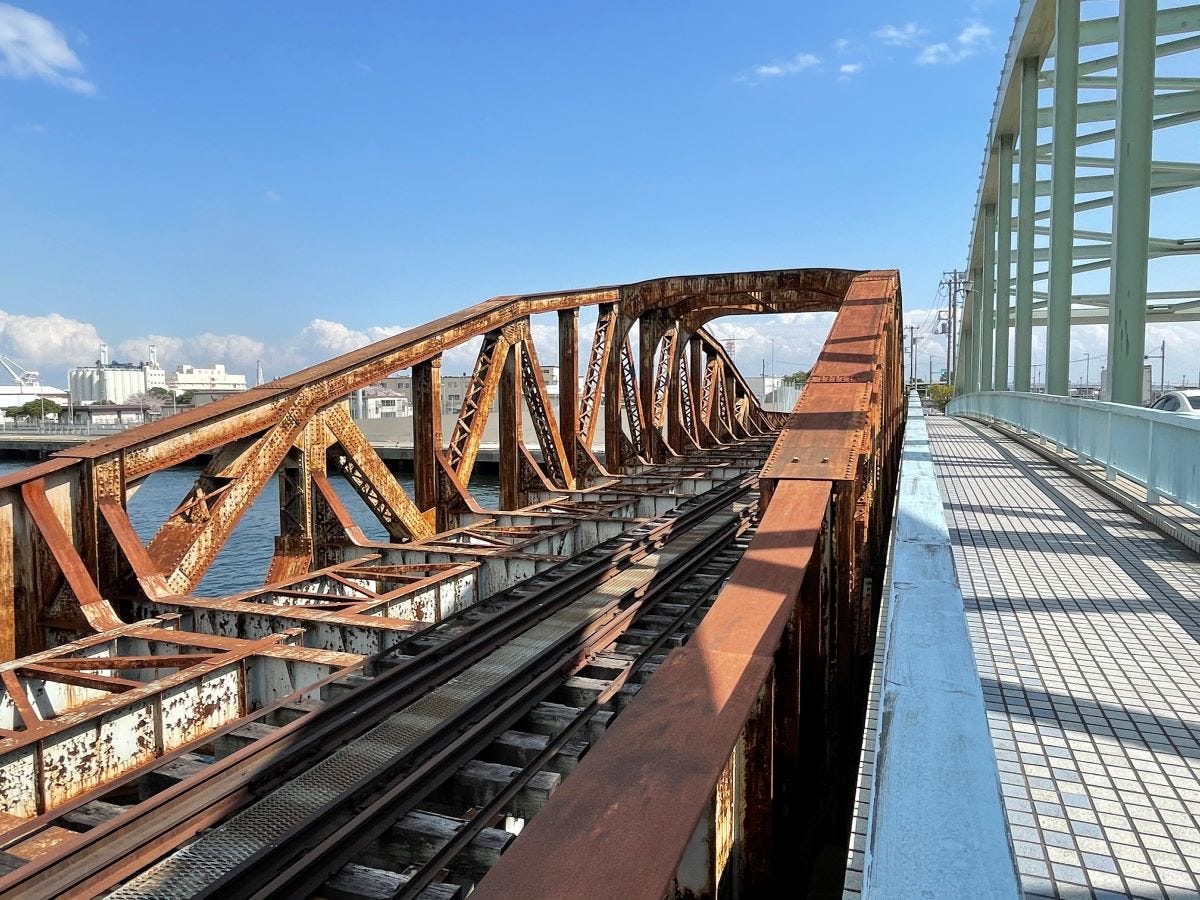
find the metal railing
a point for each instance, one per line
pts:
(64, 428)
(934, 781)
(1155, 449)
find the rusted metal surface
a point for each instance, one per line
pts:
(371, 581)
(784, 642)
(70, 559)
(642, 779)
(84, 714)
(251, 436)
(373, 480)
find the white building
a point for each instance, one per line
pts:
(383, 404)
(115, 382)
(454, 389)
(191, 378)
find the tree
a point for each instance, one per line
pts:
(161, 394)
(147, 400)
(186, 398)
(34, 409)
(939, 395)
(796, 378)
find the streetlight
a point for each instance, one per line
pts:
(1161, 356)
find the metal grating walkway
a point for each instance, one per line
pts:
(1085, 625)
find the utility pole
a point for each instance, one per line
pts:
(954, 282)
(912, 355)
(1161, 356)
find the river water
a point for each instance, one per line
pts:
(242, 563)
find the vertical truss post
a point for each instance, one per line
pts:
(613, 403)
(1026, 204)
(975, 345)
(696, 387)
(510, 432)
(714, 388)
(675, 392)
(987, 298)
(736, 428)
(568, 384)
(962, 365)
(1131, 200)
(1062, 197)
(102, 480)
(294, 543)
(650, 332)
(427, 435)
(594, 383)
(1004, 164)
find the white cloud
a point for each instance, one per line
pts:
(843, 45)
(238, 352)
(797, 63)
(334, 337)
(849, 69)
(272, 196)
(50, 340)
(31, 47)
(900, 36)
(934, 54)
(970, 40)
(975, 33)
(791, 340)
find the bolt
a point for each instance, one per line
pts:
(824, 459)
(795, 459)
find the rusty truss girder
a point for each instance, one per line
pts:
(119, 653)
(75, 576)
(740, 755)
(72, 549)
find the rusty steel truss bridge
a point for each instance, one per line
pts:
(643, 675)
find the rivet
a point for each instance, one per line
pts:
(824, 459)
(795, 459)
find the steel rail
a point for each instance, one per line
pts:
(428, 871)
(500, 709)
(500, 599)
(117, 849)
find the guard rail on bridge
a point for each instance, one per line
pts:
(1155, 449)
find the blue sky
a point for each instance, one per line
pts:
(285, 180)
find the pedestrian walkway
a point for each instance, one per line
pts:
(1085, 624)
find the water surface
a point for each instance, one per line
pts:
(243, 561)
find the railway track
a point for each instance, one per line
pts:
(416, 778)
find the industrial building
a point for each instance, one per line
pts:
(112, 382)
(192, 378)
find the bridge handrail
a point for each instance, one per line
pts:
(936, 823)
(1150, 447)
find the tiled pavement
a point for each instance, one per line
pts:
(1086, 629)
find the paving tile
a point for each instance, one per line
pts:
(1086, 631)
